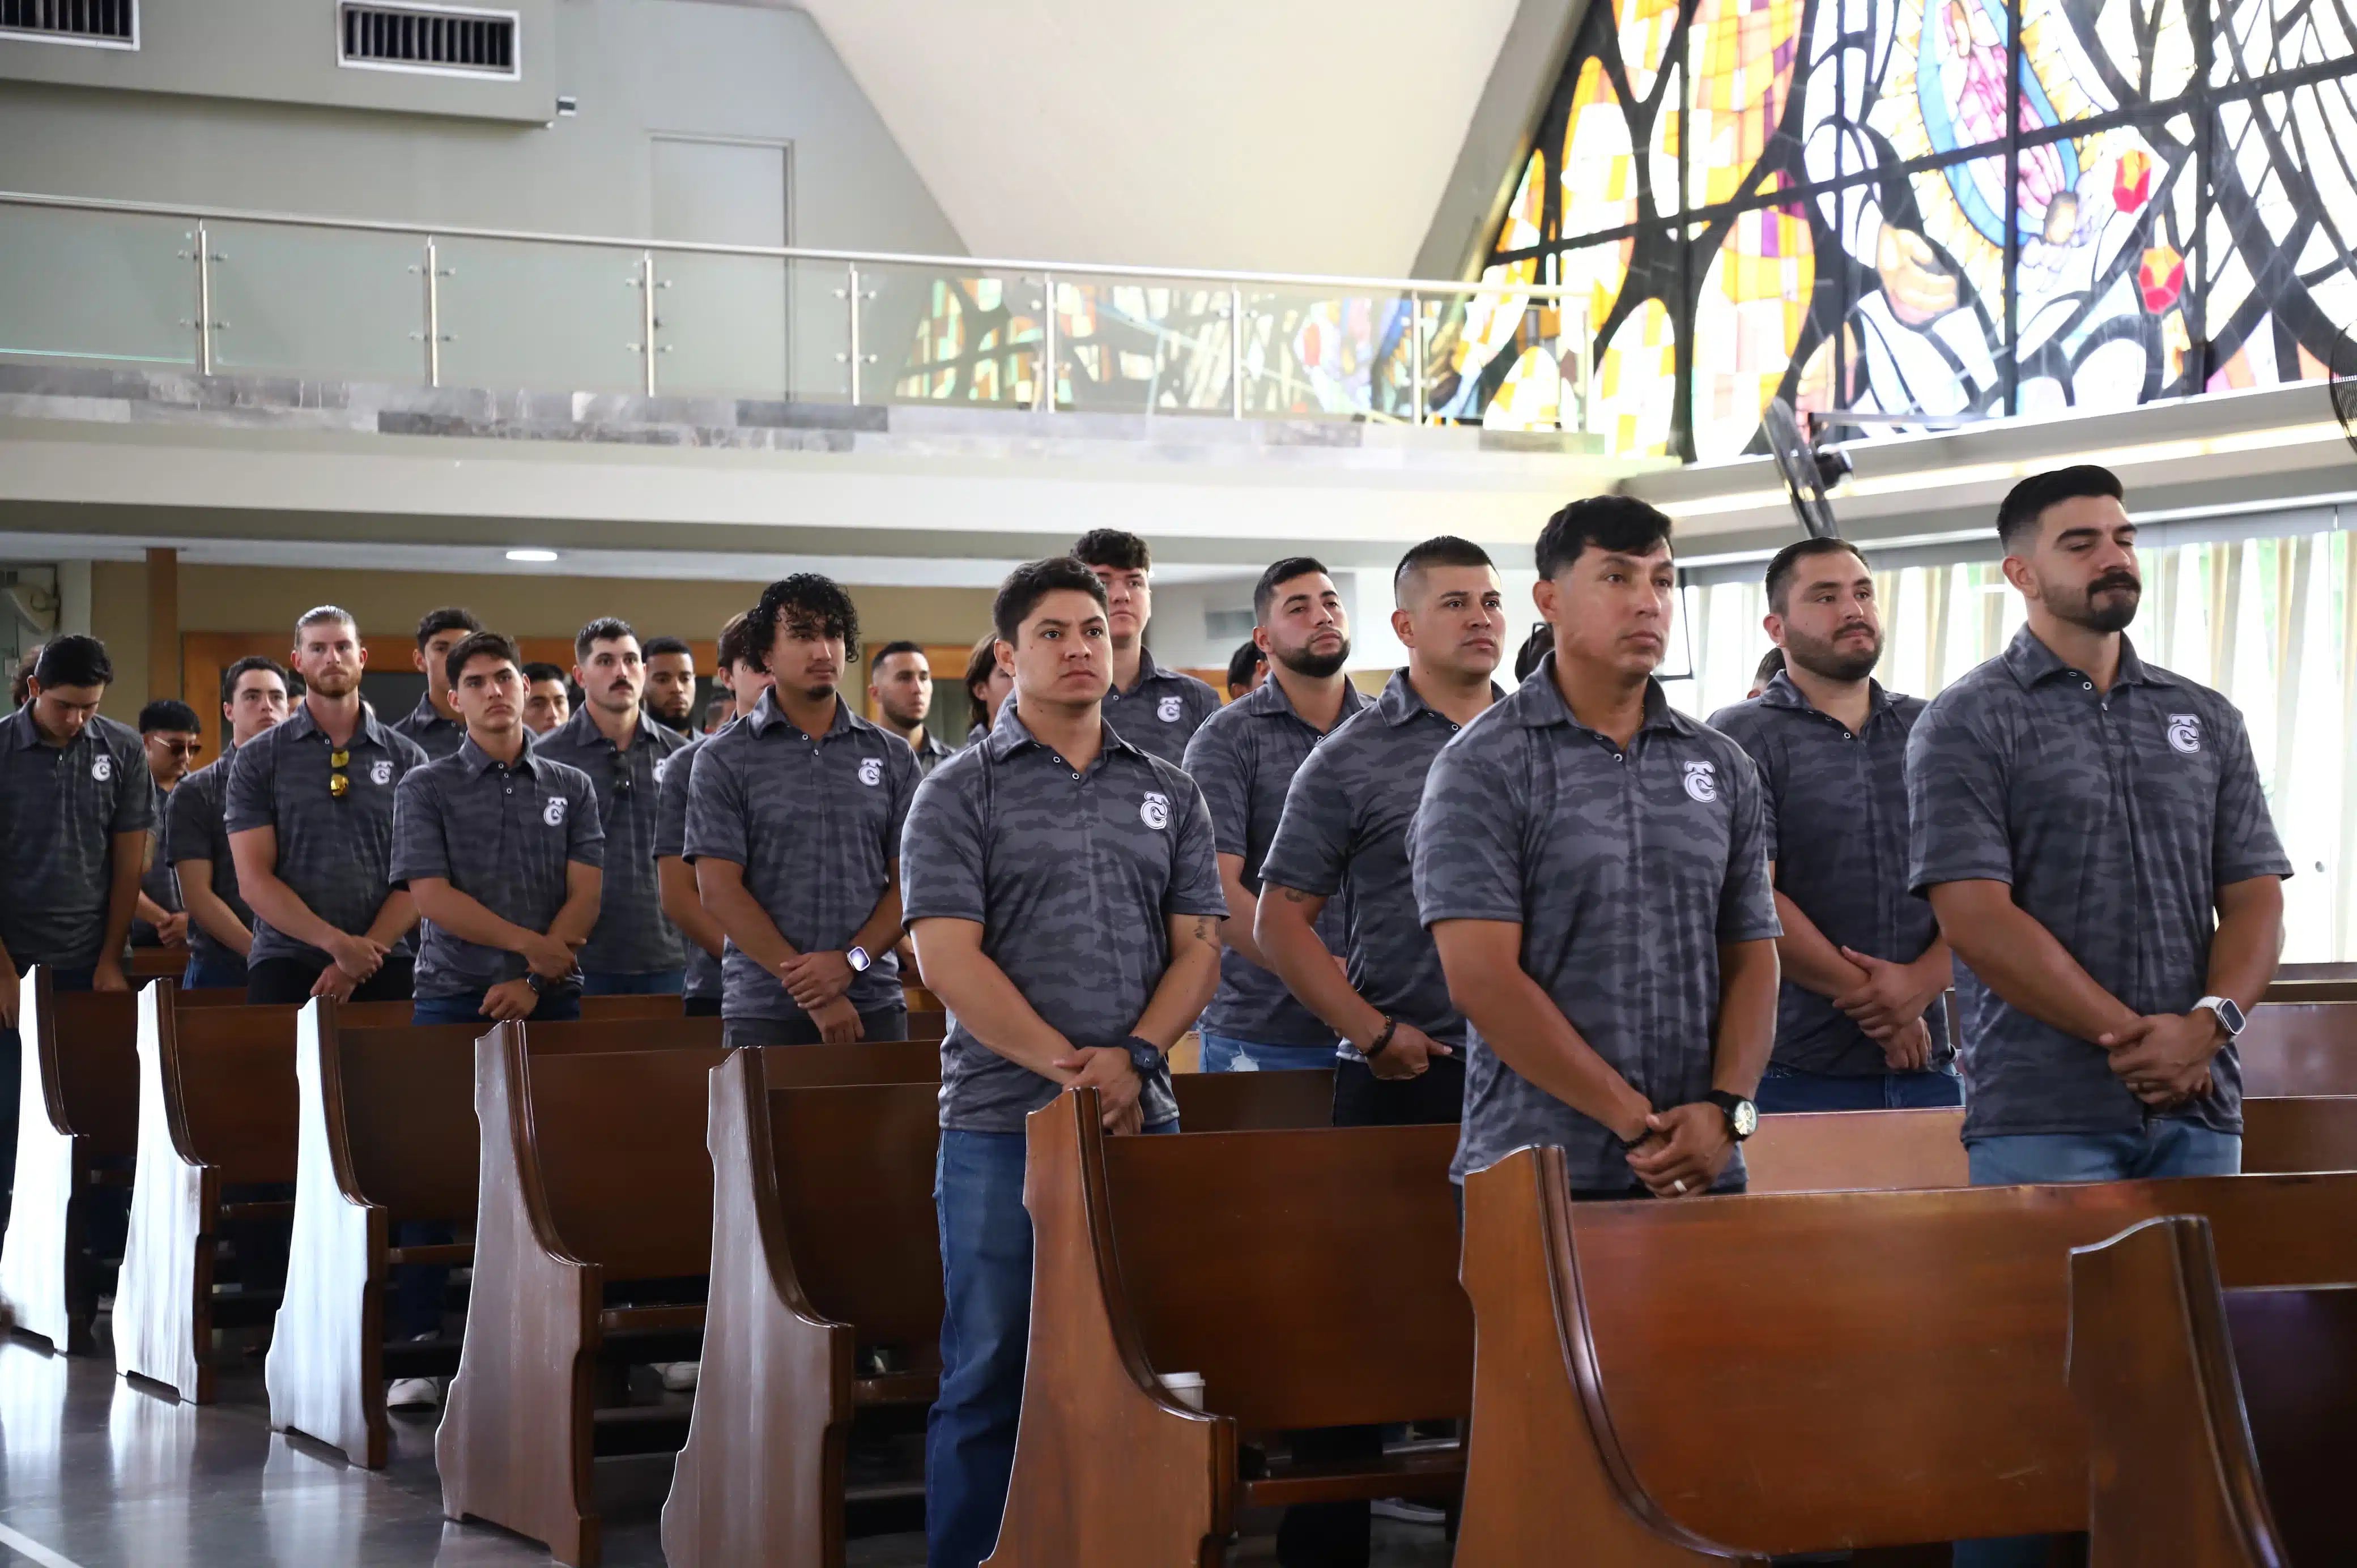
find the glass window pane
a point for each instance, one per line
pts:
(323, 303)
(98, 286)
(553, 318)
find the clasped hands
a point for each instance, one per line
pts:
(1681, 1150)
(2164, 1058)
(819, 984)
(1889, 1008)
(1109, 1071)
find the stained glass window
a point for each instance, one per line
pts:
(1939, 206)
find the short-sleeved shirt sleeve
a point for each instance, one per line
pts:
(1747, 902)
(2245, 844)
(420, 842)
(941, 849)
(1468, 840)
(1217, 769)
(1956, 799)
(1312, 847)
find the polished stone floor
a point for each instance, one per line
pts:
(97, 1472)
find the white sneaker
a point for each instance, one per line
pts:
(678, 1377)
(412, 1393)
(1406, 1512)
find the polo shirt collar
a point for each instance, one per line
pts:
(475, 759)
(1781, 693)
(1269, 701)
(582, 730)
(1147, 670)
(18, 731)
(1538, 703)
(1401, 702)
(1011, 734)
(425, 712)
(766, 713)
(300, 722)
(2030, 663)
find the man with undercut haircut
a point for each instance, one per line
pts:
(1247, 668)
(900, 684)
(435, 723)
(705, 939)
(309, 813)
(793, 827)
(1859, 1021)
(633, 951)
(1150, 706)
(1244, 757)
(220, 925)
(671, 683)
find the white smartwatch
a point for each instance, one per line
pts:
(858, 960)
(2229, 1017)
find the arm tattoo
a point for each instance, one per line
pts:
(1203, 928)
(1296, 896)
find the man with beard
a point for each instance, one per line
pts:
(671, 684)
(1859, 1022)
(633, 951)
(793, 827)
(309, 813)
(1148, 706)
(900, 683)
(1244, 757)
(2091, 831)
(220, 926)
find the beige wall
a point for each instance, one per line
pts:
(253, 598)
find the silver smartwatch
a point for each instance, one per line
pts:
(858, 960)
(2229, 1017)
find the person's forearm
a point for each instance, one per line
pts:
(747, 924)
(395, 919)
(578, 917)
(2020, 960)
(212, 916)
(1289, 938)
(1936, 970)
(147, 909)
(283, 909)
(464, 917)
(1808, 960)
(2248, 943)
(684, 906)
(1747, 1017)
(121, 895)
(989, 1008)
(1520, 1022)
(882, 927)
(1244, 913)
(1184, 992)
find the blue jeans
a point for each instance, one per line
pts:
(216, 972)
(2165, 1148)
(985, 1237)
(563, 1008)
(654, 982)
(1784, 1089)
(1225, 1053)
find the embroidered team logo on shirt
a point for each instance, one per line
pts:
(1702, 781)
(2185, 733)
(1169, 710)
(101, 768)
(381, 771)
(1155, 810)
(553, 812)
(871, 771)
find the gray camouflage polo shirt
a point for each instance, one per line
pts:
(503, 836)
(1346, 824)
(1072, 876)
(59, 810)
(156, 879)
(1244, 759)
(1837, 832)
(336, 855)
(2116, 817)
(929, 753)
(436, 737)
(671, 843)
(1626, 870)
(196, 831)
(1162, 712)
(632, 937)
(816, 825)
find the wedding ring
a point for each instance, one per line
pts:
(1679, 1187)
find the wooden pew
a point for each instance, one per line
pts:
(1882, 1369)
(1158, 1255)
(2296, 1048)
(386, 1134)
(2223, 1424)
(823, 1242)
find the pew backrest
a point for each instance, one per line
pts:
(1254, 1101)
(88, 1047)
(1841, 1151)
(229, 1087)
(2291, 1048)
(855, 1166)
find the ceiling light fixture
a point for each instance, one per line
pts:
(533, 557)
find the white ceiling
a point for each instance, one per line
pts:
(1314, 136)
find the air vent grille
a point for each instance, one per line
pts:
(107, 23)
(428, 38)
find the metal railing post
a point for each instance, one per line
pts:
(1235, 352)
(1587, 376)
(647, 312)
(1416, 354)
(204, 301)
(1049, 352)
(432, 315)
(851, 299)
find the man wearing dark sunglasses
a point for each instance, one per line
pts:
(167, 729)
(633, 949)
(309, 813)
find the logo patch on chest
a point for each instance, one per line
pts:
(1155, 810)
(553, 812)
(1702, 780)
(871, 771)
(2185, 733)
(101, 768)
(1169, 709)
(381, 771)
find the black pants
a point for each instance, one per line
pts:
(1362, 1099)
(883, 1024)
(280, 981)
(702, 1006)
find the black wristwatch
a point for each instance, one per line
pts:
(1742, 1116)
(1143, 1054)
(1383, 1041)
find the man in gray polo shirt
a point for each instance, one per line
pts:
(309, 813)
(633, 951)
(1244, 757)
(1859, 1022)
(220, 925)
(168, 732)
(705, 940)
(1157, 709)
(794, 826)
(2091, 830)
(1593, 866)
(435, 723)
(501, 848)
(1065, 897)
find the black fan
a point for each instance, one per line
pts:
(2345, 387)
(1804, 471)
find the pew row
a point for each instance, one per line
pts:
(386, 1136)
(1881, 1370)
(2219, 1423)
(824, 1243)
(1248, 1258)
(594, 1185)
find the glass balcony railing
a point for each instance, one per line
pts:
(105, 282)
